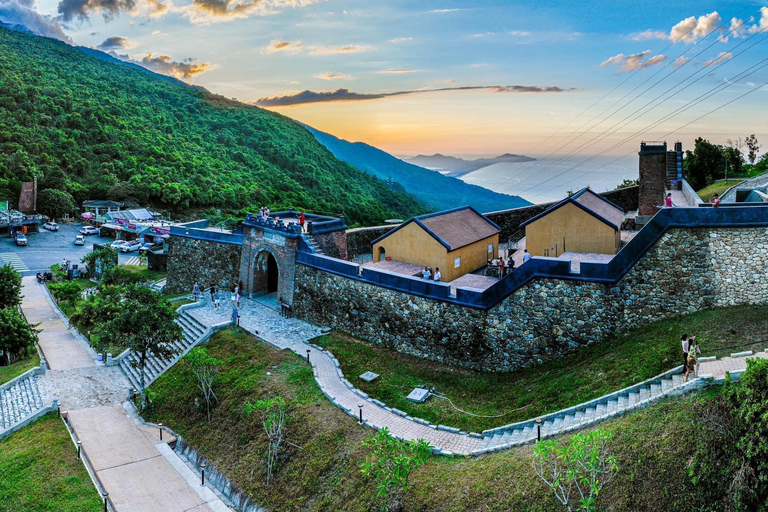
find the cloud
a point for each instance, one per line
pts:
(350, 48)
(680, 61)
(307, 96)
(723, 56)
(399, 40)
(633, 62)
(519, 33)
(397, 71)
(648, 34)
(333, 76)
(442, 11)
(163, 65)
(279, 45)
(206, 12)
(15, 12)
(82, 9)
(116, 43)
(691, 29)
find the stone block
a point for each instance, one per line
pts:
(418, 395)
(369, 376)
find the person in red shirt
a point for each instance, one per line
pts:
(301, 221)
(715, 201)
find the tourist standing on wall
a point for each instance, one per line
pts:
(526, 256)
(715, 201)
(668, 201)
(425, 273)
(302, 219)
(510, 265)
(437, 274)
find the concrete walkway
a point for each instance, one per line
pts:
(293, 334)
(133, 465)
(719, 367)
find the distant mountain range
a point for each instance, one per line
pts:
(433, 189)
(452, 166)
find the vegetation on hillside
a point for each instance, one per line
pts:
(432, 188)
(651, 446)
(709, 162)
(100, 130)
(41, 472)
(593, 371)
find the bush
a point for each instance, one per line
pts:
(68, 291)
(10, 287)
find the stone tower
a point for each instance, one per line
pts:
(653, 176)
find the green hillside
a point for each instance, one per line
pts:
(437, 191)
(103, 130)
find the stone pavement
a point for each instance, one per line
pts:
(129, 460)
(293, 334)
(719, 367)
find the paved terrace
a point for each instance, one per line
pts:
(139, 471)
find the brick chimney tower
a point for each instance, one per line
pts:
(653, 176)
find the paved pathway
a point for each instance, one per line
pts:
(293, 334)
(718, 367)
(135, 467)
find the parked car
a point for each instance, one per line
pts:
(79, 240)
(21, 239)
(51, 226)
(89, 230)
(118, 244)
(149, 246)
(130, 246)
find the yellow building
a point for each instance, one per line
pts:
(585, 222)
(456, 241)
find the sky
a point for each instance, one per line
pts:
(457, 77)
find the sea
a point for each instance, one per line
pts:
(550, 179)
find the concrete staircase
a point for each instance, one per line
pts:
(312, 243)
(19, 399)
(158, 286)
(586, 414)
(671, 168)
(193, 331)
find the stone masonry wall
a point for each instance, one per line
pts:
(686, 271)
(333, 244)
(191, 260)
(359, 239)
(252, 266)
(653, 177)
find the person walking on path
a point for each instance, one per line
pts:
(438, 275)
(216, 300)
(691, 363)
(668, 201)
(196, 291)
(686, 343)
(237, 298)
(526, 256)
(302, 219)
(510, 265)
(213, 292)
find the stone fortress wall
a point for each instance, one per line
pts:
(682, 270)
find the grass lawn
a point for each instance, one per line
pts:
(144, 272)
(716, 188)
(12, 371)
(40, 471)
(589, 373)
(321, 472)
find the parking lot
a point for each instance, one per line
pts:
(49, 247)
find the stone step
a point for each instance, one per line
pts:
(19, 401)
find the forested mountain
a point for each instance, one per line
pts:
(102, 130)
(458, 166)
(430, 187)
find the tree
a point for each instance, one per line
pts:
(16, 335)
(753, 147)
(10, 287)
(66, 292)
(146, 325)
(272, 413)
(55, 203)
(583, 465)
(704, 165)
(206, 368)
(391, 463)
(628, 183)
(99, 261)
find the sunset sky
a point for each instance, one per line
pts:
(457, 77)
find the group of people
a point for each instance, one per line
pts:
(428, 274)
(234, 297)
(691, 349)
(714, 201)
(263, 213)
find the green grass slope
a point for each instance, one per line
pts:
(320, 468)
(432, 188)
(99, 129)
(40, 471)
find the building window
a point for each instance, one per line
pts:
(457, 262)
(490, 248)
